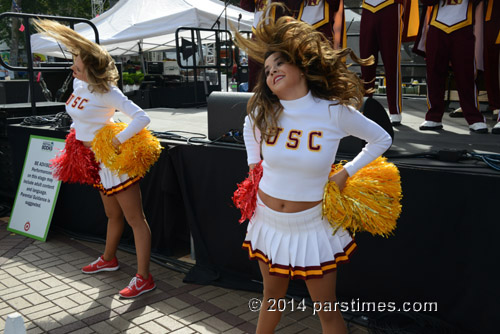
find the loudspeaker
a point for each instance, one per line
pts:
(376, 112)
(351, 145)
(16, 91)
(373, 110)
(155, 67)
(226, 112)
(140, 97)
(242, 73)
(188, 48)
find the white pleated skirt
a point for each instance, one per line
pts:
(112, 183)
(299, 245)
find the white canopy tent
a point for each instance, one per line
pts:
(132, 26)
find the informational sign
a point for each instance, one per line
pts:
(37, 191)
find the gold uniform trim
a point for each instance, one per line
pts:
(300, 272)
(374, 9)
(326, 16)
(119, 188)
(273, 15)
(489, 10)
(449, 29)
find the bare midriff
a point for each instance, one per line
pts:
(281, 205)
(87, 143)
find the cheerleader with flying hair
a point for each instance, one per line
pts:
(96, 144)
(303, 104)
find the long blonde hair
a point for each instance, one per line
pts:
(300, 44)
(100, 67)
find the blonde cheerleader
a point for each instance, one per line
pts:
(95, 144)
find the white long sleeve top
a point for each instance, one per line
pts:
(297, 161)
(91, 111)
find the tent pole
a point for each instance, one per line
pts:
(141, 54)
(195, 70)
(203, 70)
(225, 15)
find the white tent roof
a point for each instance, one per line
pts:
(150, 22)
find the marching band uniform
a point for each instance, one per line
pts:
(327, 16)
(257, 7)
(450, 39)
(383, 29)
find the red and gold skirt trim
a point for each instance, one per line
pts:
(118, 188)
(300, 245)
(298, 272)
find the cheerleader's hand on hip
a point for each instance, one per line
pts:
(116, 144)
(340, 178)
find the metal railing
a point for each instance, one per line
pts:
(195, 44)
(27, 33)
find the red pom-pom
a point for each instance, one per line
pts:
(76, 163)
(245, 196)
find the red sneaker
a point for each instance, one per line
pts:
(137, 286)
(101, 265)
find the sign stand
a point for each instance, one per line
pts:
(37, 192)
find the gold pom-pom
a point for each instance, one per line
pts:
(136, 155)
(370, 201)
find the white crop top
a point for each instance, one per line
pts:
(297, 161)
(91, 111)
